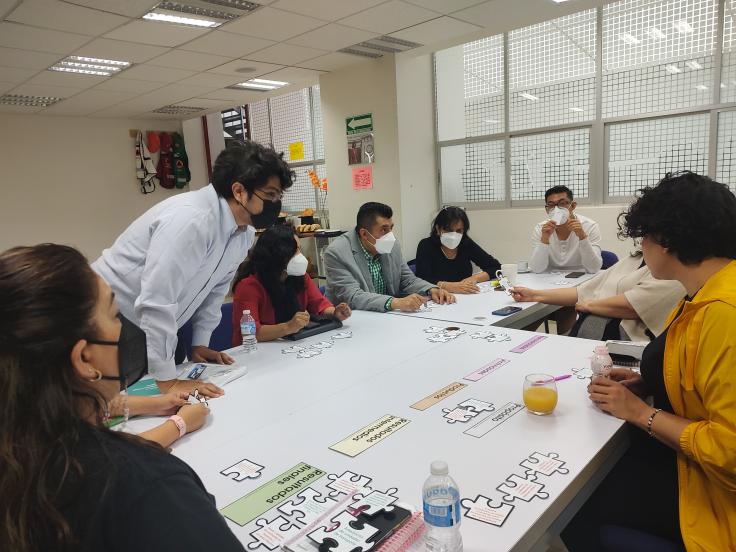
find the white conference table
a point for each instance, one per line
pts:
(477, 308)
(288, 410)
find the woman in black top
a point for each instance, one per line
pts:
(444, 258)
(67, 482)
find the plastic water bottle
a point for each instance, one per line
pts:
(601, 364)
(248, 331)
(441, 499)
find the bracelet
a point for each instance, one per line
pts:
(180, 424)
(650, 420)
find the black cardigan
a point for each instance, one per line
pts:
(433, 266)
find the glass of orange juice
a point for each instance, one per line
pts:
(540, 394)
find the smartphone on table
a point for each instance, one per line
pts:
(574, 274)
(505, 311)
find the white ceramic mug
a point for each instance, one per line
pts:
(523, 266)
(509, 272)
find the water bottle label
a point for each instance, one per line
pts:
(248, 328)
(442, 516)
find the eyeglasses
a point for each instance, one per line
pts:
(564, 203)
(271, 195)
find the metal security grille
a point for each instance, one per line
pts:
(301, 194)
(642, 152)
(319, 143)
(657, 55)
(473, 172)
(540, 161)
(552, 72)
(291, 122)
(260, 128)
(726, 160)
(483, 86)
(728, 72)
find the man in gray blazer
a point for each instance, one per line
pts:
(366, 270)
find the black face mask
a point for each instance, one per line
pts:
(132, 353)
(267, 217)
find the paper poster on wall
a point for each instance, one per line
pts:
(363, 178)
(360, 149)
(296, 151)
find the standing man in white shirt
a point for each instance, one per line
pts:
(176, 261)
(566, 240)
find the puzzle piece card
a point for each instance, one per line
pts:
(245, 469)
(322, 345)
(458, 414)
(272, 534)
(309, 353)
(345, 334)
(347, 483)
(582, 373)
(522, 488)
(308, 506)
(433, 330)
(477, 406)
(292, 349)
(374, 502)
(481, 508)
(545, 464)
(345, 535)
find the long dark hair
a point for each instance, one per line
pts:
(267, 260)
(445, 219)
(48, 295)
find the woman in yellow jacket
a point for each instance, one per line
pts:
(688, 228)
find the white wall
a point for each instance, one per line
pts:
(505, 233)
(70, 180)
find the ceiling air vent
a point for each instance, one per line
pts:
(28, 101)
(178, 109)
(379, 46)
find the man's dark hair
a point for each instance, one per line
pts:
(252, 165)
(368, 213)
(558, 190)
(691, 215)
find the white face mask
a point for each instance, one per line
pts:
(384, 244)
(297, 265)
(559, 215)
(451, 239)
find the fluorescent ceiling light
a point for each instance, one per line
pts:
(692, 64)
(261, 84)
(28, 101)
(683, 27)
(90, 66)
(179, 109)
(673, 69)
(629, 39)
(701, 87)
(559, 1)
(528, 96)
(577, 109)
(181, 20)
(655, 33)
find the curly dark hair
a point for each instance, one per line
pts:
(267, 260)
(252, 165)
(691, 215)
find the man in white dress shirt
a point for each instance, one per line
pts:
(176, 261)
(566, 240)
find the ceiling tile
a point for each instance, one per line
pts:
(208, 103)
(158, 34)
(26, 59)
(443, 6)
(333, 61)
(46, 90)
(6, 6)
(436, 30)
(5, 86)
(117, 49)
(234, 68)
(193, 61)
(15, 35)
(128, 85)
(153, 73)
(19, 109)
(389, 17)
(16, 74)
(329, 10)
(120, 110)
(131, 8)
(332, 37)
(226, 44)
(286, 54)
(237, 97)
(87, 102)
(210, 79)
(71, 80)
(293, 75)
(65, 17)
(272, 24)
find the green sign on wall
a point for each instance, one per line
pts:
(359, 123)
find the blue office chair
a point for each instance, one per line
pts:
(609, 259)
(622, 539)
(222, 336)
(322, 289)
(412, 265)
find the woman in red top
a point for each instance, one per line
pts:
(274, 285)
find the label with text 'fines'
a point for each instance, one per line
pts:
(498, 417)
(369, 435)
(528, 344)
(254, 504)
(437, 396)
(487, 369)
